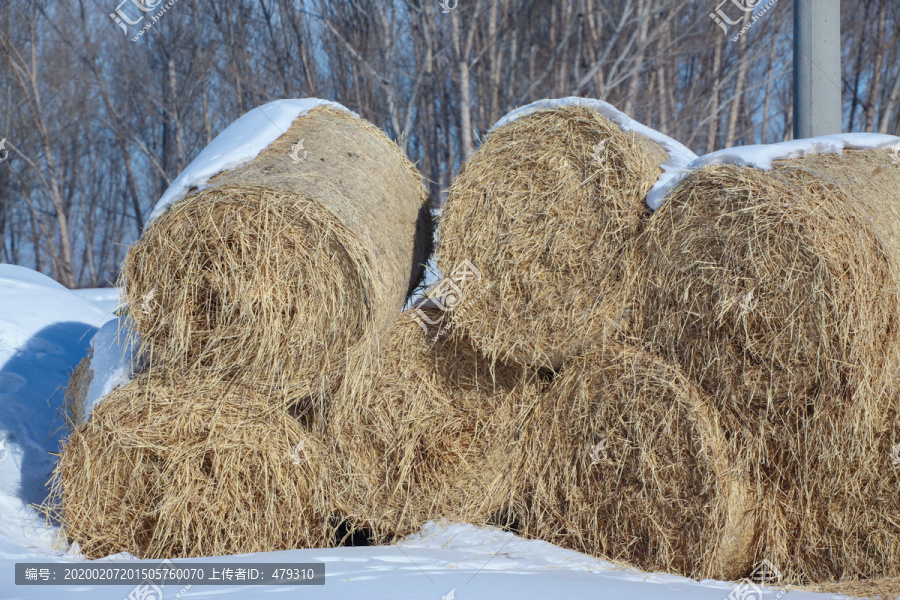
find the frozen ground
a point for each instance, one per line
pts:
(459, 562)
(45, 330)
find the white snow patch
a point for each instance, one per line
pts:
(680, 156)
(462, 536)
(31, 302)
(239, 143)
(442, 561)
(113, 362)
(762, 156)
(106, 299)
(44, 331)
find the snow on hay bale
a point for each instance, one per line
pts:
(625, 458)
(77, 390)
(172, 467)
(427, 436)
(111, 361)
(775, 286)
(288, 267)
(543, 210)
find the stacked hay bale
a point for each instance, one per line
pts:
(777, 292)
(543, 210)
(545, 213)
(169, 466)
(252, 297)
(285, 273)
(723, 371)
(768, 303)
(626, 458)
(429, 435)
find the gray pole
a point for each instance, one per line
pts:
(817, 68)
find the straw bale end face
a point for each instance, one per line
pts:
(627, 460)
(77, 390)
(776, 286)
(777, 291)
(544, 210)
(284, 272)
(170, 468)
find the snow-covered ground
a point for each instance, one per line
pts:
(106, 299)
(460, 562)
(45, 330)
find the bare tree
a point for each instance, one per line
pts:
(97, 125)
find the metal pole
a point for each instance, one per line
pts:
(817, 68)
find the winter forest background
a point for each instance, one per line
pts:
(96, 125)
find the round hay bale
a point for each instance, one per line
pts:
(770, 286)
(425, 435)
(543, 210)
(168, 468)
(284, 273)
(778, 292)
(627, 459)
